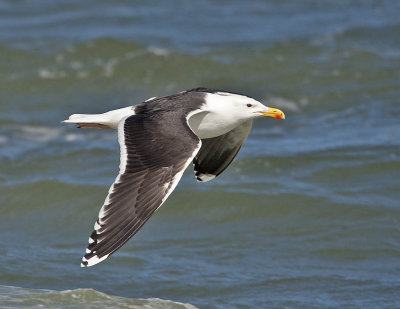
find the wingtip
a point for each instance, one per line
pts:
(92, 260)
(204, 177)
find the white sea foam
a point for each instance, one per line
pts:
(285, 104)
(109, 67)
(43, 135)
(76, 65)
(51, 74)
(158, 51)
(79, 298)
(40, 133)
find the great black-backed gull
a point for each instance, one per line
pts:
(158, 139)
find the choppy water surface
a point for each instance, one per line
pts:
(308, 215)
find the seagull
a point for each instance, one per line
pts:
(158, 139)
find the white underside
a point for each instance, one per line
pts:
(208, 125)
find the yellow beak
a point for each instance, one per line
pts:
(273, 112)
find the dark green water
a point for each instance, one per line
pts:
(307, 216)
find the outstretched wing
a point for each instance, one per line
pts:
(153, 160)
(218, 152)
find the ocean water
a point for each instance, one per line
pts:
(307, 216)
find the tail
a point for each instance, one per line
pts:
(100, 121)
(86, 121)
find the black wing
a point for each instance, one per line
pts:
(218, 152)
(153, 160)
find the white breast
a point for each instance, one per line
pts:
(221, 113)
(208, 125)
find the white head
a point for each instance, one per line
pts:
(238, 106)
(223, 111)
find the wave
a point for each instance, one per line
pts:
(18, 297)
(107, 63)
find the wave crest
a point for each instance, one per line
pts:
(80, 298)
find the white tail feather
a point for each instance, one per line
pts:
(106, 120)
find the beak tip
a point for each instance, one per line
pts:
(273, 112)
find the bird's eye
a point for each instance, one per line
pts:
(249, 105)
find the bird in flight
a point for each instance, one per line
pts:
(158, 139)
